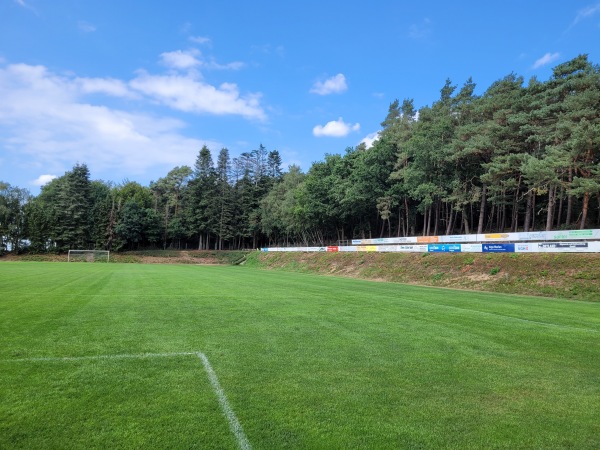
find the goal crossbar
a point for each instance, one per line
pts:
(88, 255)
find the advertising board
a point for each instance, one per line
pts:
(444, 248)
(498, 248)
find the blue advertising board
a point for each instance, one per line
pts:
(443, 248)
(498, 248)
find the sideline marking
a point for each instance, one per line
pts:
(234, 425)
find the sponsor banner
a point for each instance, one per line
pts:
(444, 248)
(264, 249)
(385, 241)
(458, 238)
(498, 248)
(471, 248)
(366, 248)
(495, 237)
(573, 234)
(388, 248)
(402, 248)
(333, 248)
(531, 236)
(563, 245)
(526, 247)
(348, 248)
(427, 239)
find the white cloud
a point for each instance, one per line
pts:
(212, 64)
(190, 94)
(200, 40)
(335, 128)
(47, 124)
(586, 13)
(43, 179)
(370, 139)
(86, 27)
(545, 60)
(108, 86)
(49, 121)
(191, 59)
(334, 85)
(181, 59)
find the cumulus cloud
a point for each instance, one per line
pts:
(335, 128)
(370, 139)
(107, 86)
(334, 85)
(47, 123)
(191, 59)
(190, 94)
(548, 58)
(43, 179)
(180, 59)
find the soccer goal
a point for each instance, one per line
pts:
(88, 256)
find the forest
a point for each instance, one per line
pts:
(519, 157)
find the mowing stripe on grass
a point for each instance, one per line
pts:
(234, 423)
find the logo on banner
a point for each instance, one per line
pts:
(498, 248)
(563, 245)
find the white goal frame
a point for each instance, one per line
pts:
(87, 255)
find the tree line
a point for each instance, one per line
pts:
(517, 157)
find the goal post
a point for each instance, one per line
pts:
(88, 256)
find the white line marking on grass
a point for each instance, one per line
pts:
(93, 357)
(234, 424)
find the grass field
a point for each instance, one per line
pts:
(108, 356)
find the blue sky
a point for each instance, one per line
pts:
(134, 89)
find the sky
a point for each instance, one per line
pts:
(134, 89)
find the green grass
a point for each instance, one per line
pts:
(306, 361)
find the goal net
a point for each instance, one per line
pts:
(88, 256)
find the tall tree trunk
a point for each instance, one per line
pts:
(466, 223)
(584, 211)
(569, 200)
(437, 217)
(450, 222)
(560, 207)
(491, 219)
(550, 212)
(482, 209)
(527, 223)
(407, 216)
(514, 218)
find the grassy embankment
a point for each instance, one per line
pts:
(573, 276)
